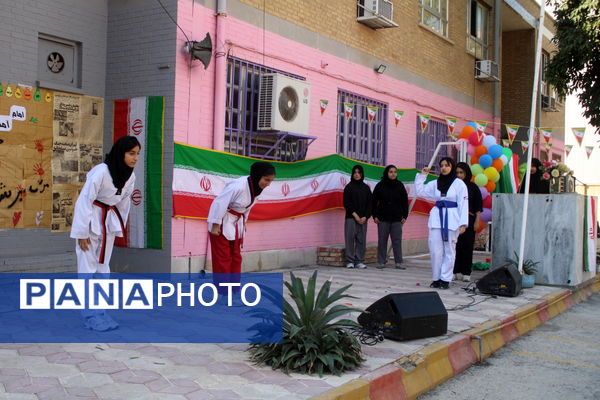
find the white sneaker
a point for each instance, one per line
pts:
(350, 265)
(458, 277)
(361, 266)
(466, 278)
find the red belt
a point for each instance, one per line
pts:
(105, 209)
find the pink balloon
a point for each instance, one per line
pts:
(458, 142)
(484, 192)
(470, 149)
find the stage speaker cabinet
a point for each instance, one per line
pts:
(503, 281)
(404, 316)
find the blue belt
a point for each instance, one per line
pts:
(443, 206)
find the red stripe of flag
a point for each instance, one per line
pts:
(120, 119)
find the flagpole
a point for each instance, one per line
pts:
(534, 99)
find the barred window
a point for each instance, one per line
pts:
(358, 138)
(436, 132)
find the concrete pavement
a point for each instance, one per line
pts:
(392, 370)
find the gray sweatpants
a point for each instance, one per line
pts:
(356, 240)
(385, 230)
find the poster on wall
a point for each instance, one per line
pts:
(25, 157)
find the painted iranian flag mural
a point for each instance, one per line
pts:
(300, 188)
(143, 117)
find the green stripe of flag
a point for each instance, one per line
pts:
(154, 171)
(225, 164)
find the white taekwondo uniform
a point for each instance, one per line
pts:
(100, 215)
(443, 252)
(236, 197)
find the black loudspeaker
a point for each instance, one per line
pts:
(503, 281)
(403, 316)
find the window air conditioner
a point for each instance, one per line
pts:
(486, 70)
(283, 104)
(548, 103)
(375, 14)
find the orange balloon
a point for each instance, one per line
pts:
(474, 160)
(466, 132)
(497, 163)
(480, 150)
(490, 186)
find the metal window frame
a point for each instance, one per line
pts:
(482, 42)
(426, 143)
(241, 114)
(436, 12)
(357, 138)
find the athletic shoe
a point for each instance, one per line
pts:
(361, 266)
(350, 265)
(400, 266)
(435, 284)
(380, 266)
(466, 278)
(458, 277)
(444, 285)
(97, 323)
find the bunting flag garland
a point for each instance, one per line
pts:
(588, 150)
(348, 108)
(451, 125)
(546, 133)
(424, 120)
(511, 130)
(398, 116)
(548, 145)
(481, 125)
(372, 112)
(578, 132)
(524, 146)
(323, 105)
(301, 188)
(505, 143)
(568, 149)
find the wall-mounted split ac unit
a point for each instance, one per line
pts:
(487, 71)
(283, 104)
(548, 103)
(375, 14)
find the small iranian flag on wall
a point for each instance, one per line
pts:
(143, 117)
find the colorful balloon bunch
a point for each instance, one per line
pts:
(487, 160)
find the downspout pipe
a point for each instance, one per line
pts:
(497, 59)
(220, 86)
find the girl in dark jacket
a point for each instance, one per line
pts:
(538, 183)
(357, 202)
(464, 245)
(390, 210)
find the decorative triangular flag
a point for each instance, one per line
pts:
(372, 112)
(348, 108)
(578, 132)
(424, 120)
(451, 125)
(505, 143)
(397, 116)
(568, 149)
(524, 146)
(588, 150)
(511, 131)
(546, 133)
(548, 145)
(481, 125)
(323, 105)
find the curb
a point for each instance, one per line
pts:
(413, 375)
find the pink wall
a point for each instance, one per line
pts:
(194, 114)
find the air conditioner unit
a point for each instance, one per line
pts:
(486, 70)
(375, 14)
(283, 104)
(548, 103)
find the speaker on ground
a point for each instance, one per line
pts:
(404, 316)
(503, 281)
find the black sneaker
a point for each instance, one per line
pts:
(444, 285)
(435, 284)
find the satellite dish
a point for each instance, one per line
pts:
(202, 50)
(288, 103)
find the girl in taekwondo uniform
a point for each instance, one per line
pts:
(447, 219)
(228, 214)
(101, 214)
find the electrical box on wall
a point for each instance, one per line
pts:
(59, 63)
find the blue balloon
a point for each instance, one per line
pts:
(473, 124)
(495, 151)
(485, 160)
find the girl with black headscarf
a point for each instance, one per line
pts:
(538, 183)
(228, 214)
(464, 245)
(390, 210)
(101, 213)
(357, 203)
(447, 219)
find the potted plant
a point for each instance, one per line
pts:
(315, 340)
(529, 270)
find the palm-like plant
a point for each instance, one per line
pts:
(314, 339)
(529, 266)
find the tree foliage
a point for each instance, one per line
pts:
(575, 67)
